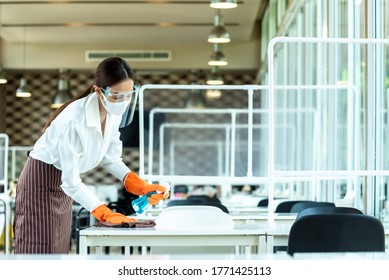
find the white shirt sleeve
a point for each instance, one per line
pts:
(112, 160)
(70, 148)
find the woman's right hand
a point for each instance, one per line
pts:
(104, 214)
(136, 185)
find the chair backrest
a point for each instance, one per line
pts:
(328, 210)
(263, 203)
(285, 206)
(82, 221)
(203, 198)
(336, 233)
(309, 204)
(180, 202)
(115, 207)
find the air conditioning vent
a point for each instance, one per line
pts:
(135, 55)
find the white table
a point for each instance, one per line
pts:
(232, 211)
(251, 238)
(262, 218)
(246, 218)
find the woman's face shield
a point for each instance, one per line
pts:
(129, 97)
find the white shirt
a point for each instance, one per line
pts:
(74, 144)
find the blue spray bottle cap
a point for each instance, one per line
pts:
(141, 204)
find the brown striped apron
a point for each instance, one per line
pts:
(43, 212)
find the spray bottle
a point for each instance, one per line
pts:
(141, 204)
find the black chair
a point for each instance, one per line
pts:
(116, 207)
(298, 207)
(263, 202)
(203, 198)
(181, 202)
(286, 206)
(328, 210)
(82, 221)
(336, 233)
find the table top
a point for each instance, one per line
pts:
(246, 229)
(265, 216)
(241, 216)
(232, 210)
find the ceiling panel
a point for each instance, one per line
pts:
(122, 22)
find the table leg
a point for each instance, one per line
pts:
(262, 245)
(83, 247)
(99, 250)
(270, 244)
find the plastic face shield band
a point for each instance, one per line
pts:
(117, 96)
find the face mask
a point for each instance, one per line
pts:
(115, 108)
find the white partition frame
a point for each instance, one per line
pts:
(249, 179)
(4, 151)
(4, 196)
(13, 150)
(350, 174)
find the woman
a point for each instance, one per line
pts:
(80, 135)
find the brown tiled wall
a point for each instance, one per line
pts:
(23, 118)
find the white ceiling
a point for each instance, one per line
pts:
(141, 23)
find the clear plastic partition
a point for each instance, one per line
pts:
(211, 135)
(4, 198)
(17, 159)
(4, 163)
(340, 117)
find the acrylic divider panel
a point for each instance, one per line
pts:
(209, 141)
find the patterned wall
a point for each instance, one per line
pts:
(23, 118)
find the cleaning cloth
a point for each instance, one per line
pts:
(138, 224)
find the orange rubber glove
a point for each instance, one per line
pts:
(104, 214)
(136, 185)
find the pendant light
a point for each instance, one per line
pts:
(217, 57)
(22, 90)
(63, 93)
(215, 78)
(195, 99)
(224, 4)
(3, 78)
(218, 33)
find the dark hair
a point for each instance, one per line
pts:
(109, 72)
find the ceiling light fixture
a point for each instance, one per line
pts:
(63, 93)
(217, 57)
(22, 89)
(224, 4)
(3, 79)
(218, 33)
(213, 94)
(215, 78)
(195, 98)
